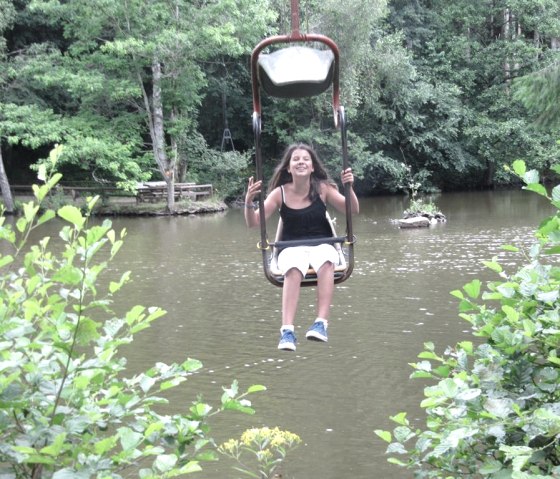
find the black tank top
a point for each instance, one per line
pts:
(303, 223)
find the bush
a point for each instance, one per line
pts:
(493, 410)
(67, 407)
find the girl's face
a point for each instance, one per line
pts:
(301, 163)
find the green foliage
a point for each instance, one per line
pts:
(29, 125)
(226, 171)
(493, 406)
(68, 408)
(420, 207)
(540, 93)
(434, 84)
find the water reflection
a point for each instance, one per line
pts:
(206, 272)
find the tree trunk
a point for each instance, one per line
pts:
(5, 187)
(506, 36)
(166, 165)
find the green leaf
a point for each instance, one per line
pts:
(40, 192)
(529, 327)
(554, 359)
(6, 260)
(191, 365)
(519, 167)
(42, 173)
(105, 445)
(457, 294)
(473, 288)
(548, 296)
(69, 275)
(68, 473)
(256, 388)
(235, 405)
(493, 265)
(385, 435)
(153, 428)
(56, 447)
(511, 313)
(537, 188)
(171, 383)
(46, 216)
(490, 466)
(508, 247)
(466, 346)
(21, 224)
(36, 459)
(442, 371)
(72, 214)
(400, 418)
(29, 211)
(449, 388)
(115, 286)
(428, 355)
(556, 193)
(201, 409)
(128, 438)
(190, 467)
(165, 462)
(531, 177)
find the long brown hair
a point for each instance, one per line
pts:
(281, 176)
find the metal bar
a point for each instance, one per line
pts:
(295, 18)
(310, 241)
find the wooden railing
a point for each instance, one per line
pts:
(150, 191)
(157, 191)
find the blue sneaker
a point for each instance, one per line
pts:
(317, 332)
(287, 340)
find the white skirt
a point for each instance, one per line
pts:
(303, 257)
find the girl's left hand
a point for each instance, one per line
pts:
(347, 176)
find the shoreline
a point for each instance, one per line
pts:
(128, 206)
(160, 209)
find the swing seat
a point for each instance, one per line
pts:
(296, 72)
(310, 279)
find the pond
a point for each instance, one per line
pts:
(205, 271)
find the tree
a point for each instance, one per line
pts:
(6, 19)
(481, 47)
(149, 53)
(29, 126)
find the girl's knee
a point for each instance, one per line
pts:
(294, 274)
(326, 268)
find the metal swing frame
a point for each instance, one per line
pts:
(295, 87)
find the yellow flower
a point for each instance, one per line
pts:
(268, 446)
(229, 447)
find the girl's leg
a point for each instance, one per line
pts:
(290, 295)
(325, 289)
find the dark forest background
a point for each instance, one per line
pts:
(439, 94)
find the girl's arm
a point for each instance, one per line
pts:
(271, 203)
(337, 199)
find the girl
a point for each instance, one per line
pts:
(300, 189)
